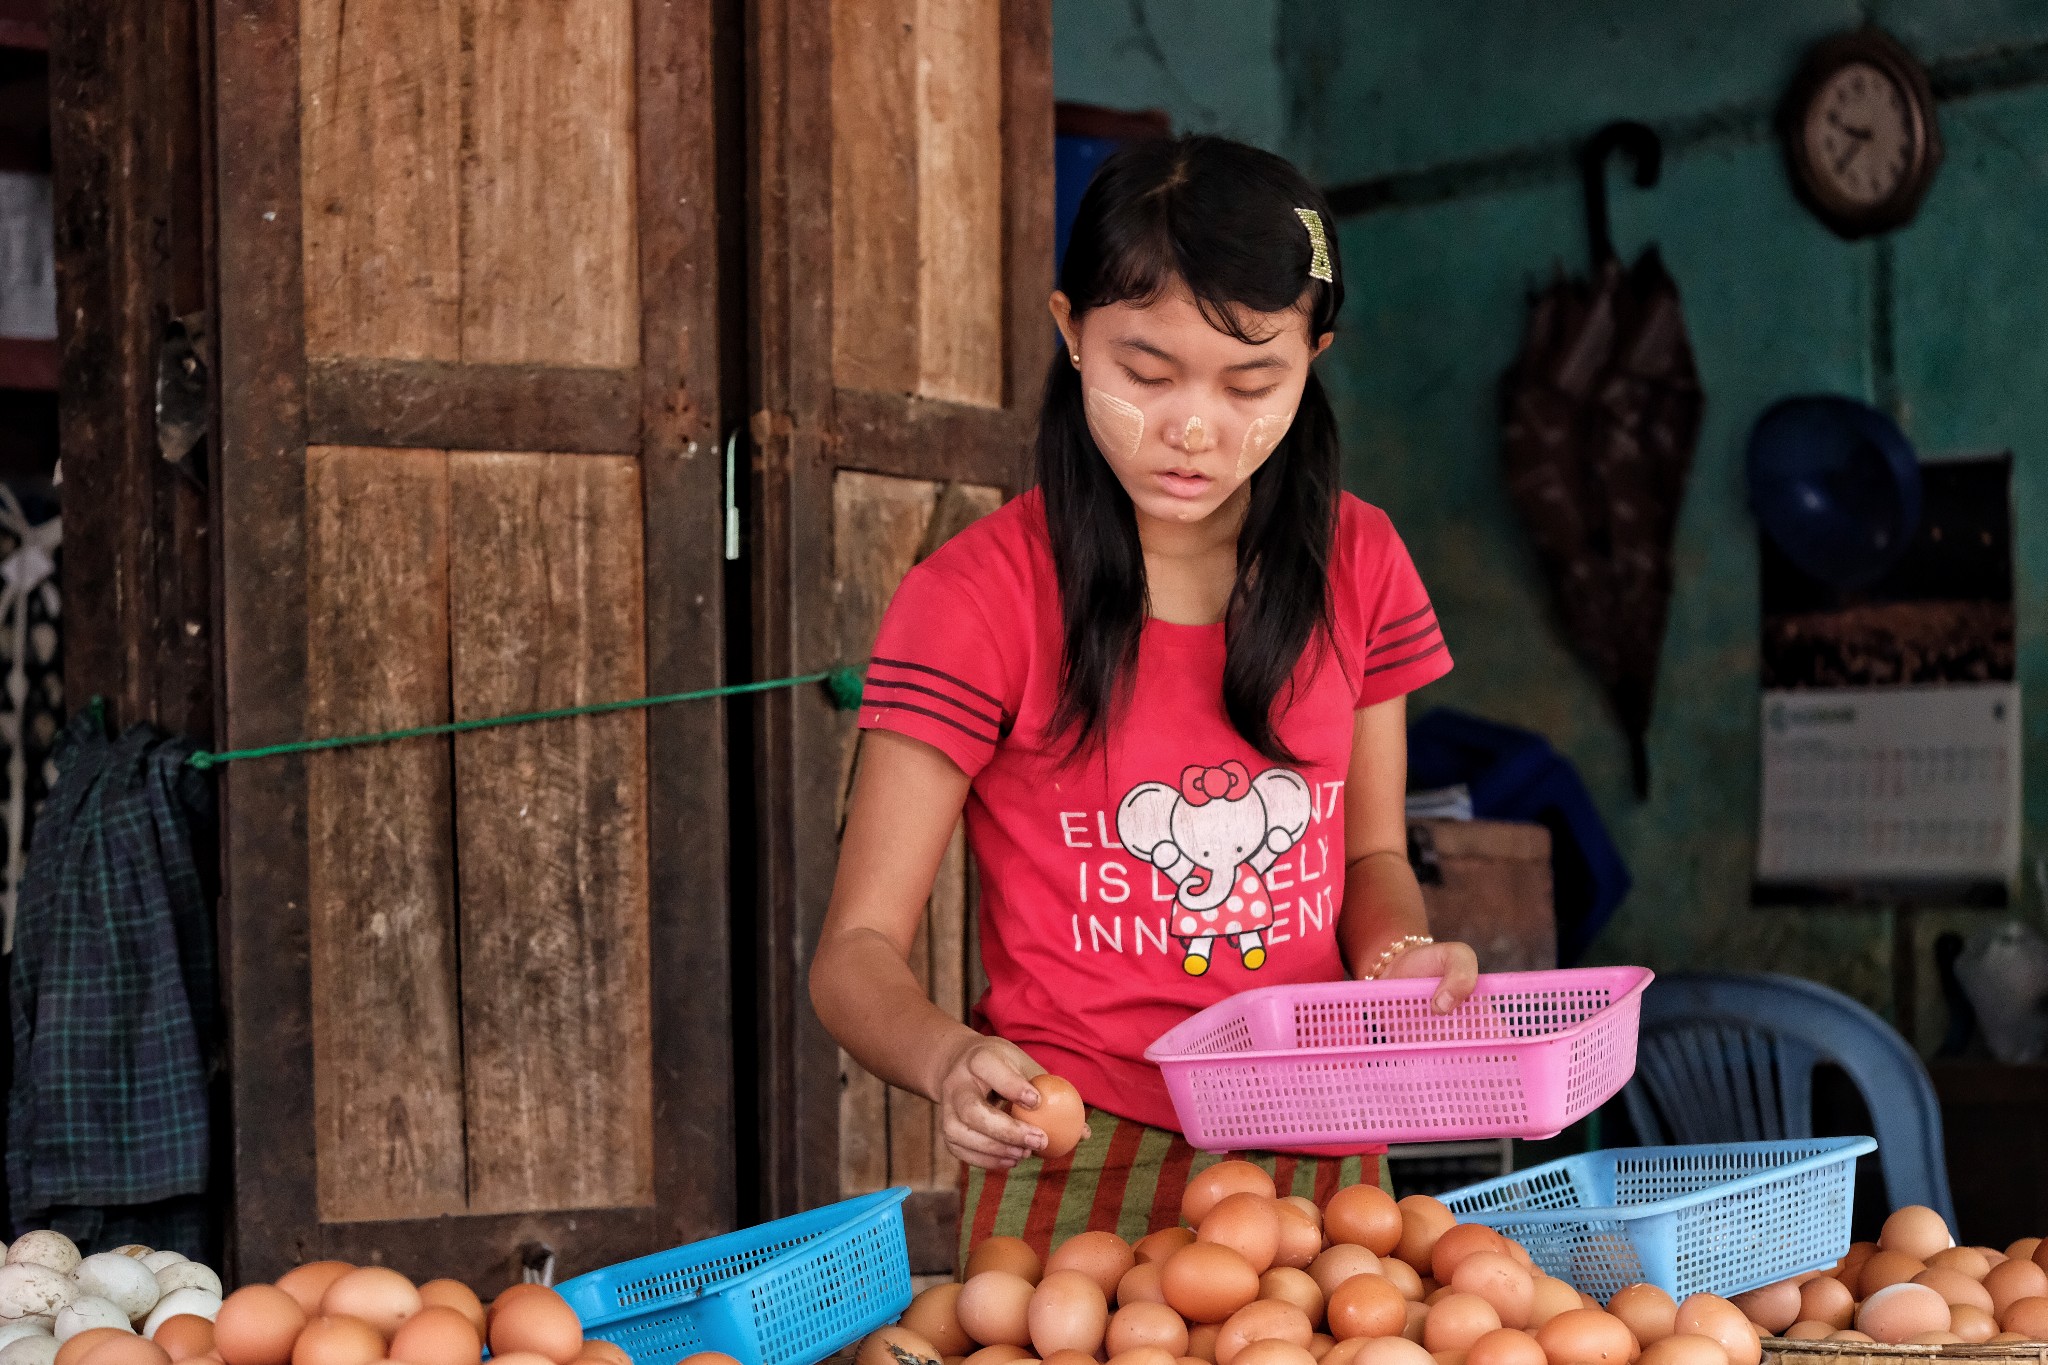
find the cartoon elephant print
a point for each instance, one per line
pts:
(1215, 836)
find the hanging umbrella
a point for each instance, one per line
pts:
(1601, 411)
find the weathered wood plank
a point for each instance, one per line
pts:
(1027, 207)
(692, 146)
(960, 201)
(136, 572)
(380, 142)
(261, 486)
(473, 407)
(551, 830)
(550, 266)
(875, 209)
(387, 1046)
(918, 438)
(863, 1130)
(878, 525)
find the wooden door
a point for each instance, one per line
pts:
(470, 465)
(903, 193)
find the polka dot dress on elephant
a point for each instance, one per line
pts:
(1174, 865)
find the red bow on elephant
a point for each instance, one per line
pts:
(1199, 786)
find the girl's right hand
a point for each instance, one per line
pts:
(981, 1074)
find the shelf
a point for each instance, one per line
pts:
(28, 365)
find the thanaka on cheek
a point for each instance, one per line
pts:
(1118, 426)
(1260, 438)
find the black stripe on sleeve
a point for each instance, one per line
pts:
(975, 712)
(1411, 616)
(960, 683)
(1422, 634)
(929, 714)
(1436, 648)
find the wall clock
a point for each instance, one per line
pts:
(1860, 133)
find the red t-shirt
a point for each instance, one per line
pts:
(1093, 948)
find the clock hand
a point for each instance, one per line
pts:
(1861, 134)
(1842, 162)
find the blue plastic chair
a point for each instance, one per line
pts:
(1729, 1057)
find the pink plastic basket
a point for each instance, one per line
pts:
(1341, 1065)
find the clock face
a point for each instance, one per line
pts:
(1859, 133)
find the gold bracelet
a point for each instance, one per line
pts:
(1394, 950)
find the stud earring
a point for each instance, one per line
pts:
(1075, 356)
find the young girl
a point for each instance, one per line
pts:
(1167, 687)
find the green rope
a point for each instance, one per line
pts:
(843, 684)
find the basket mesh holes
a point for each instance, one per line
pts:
(1717, 1240)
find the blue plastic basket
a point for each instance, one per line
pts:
(1720, 1218)
(788, 1292)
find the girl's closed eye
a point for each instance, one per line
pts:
(1253, 395)
(1142, 380)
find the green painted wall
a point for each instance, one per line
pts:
(1472, 110)
(1470, 106)
(1211, 64)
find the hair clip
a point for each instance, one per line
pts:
(1319, 246)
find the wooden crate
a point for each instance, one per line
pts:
(1487, 882)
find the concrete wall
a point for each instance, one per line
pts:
(1211, 64)
(1462, 113)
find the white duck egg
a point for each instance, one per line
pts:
(89, 1311)
(33, 1293)
(45, 1248)
(197, 1302)
(40, 1349)
(121, 1280)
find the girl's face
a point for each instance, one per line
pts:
(1185, 414)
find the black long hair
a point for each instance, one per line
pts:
(1217, 218)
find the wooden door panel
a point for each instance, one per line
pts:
(549, 270)
(917, 198)
(551, 831)
(388, 1129)
(381, 145)
(470, 399)
(904, 183)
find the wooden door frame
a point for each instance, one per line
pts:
(127, 81)
(671, 414)
(802, 431)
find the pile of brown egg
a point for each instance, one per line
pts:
(1914, 1286)
(1254, 1279)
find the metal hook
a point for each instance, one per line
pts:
(1642, 146)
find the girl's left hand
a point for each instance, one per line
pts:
(1455, 962)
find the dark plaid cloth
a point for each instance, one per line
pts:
(113, 983)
